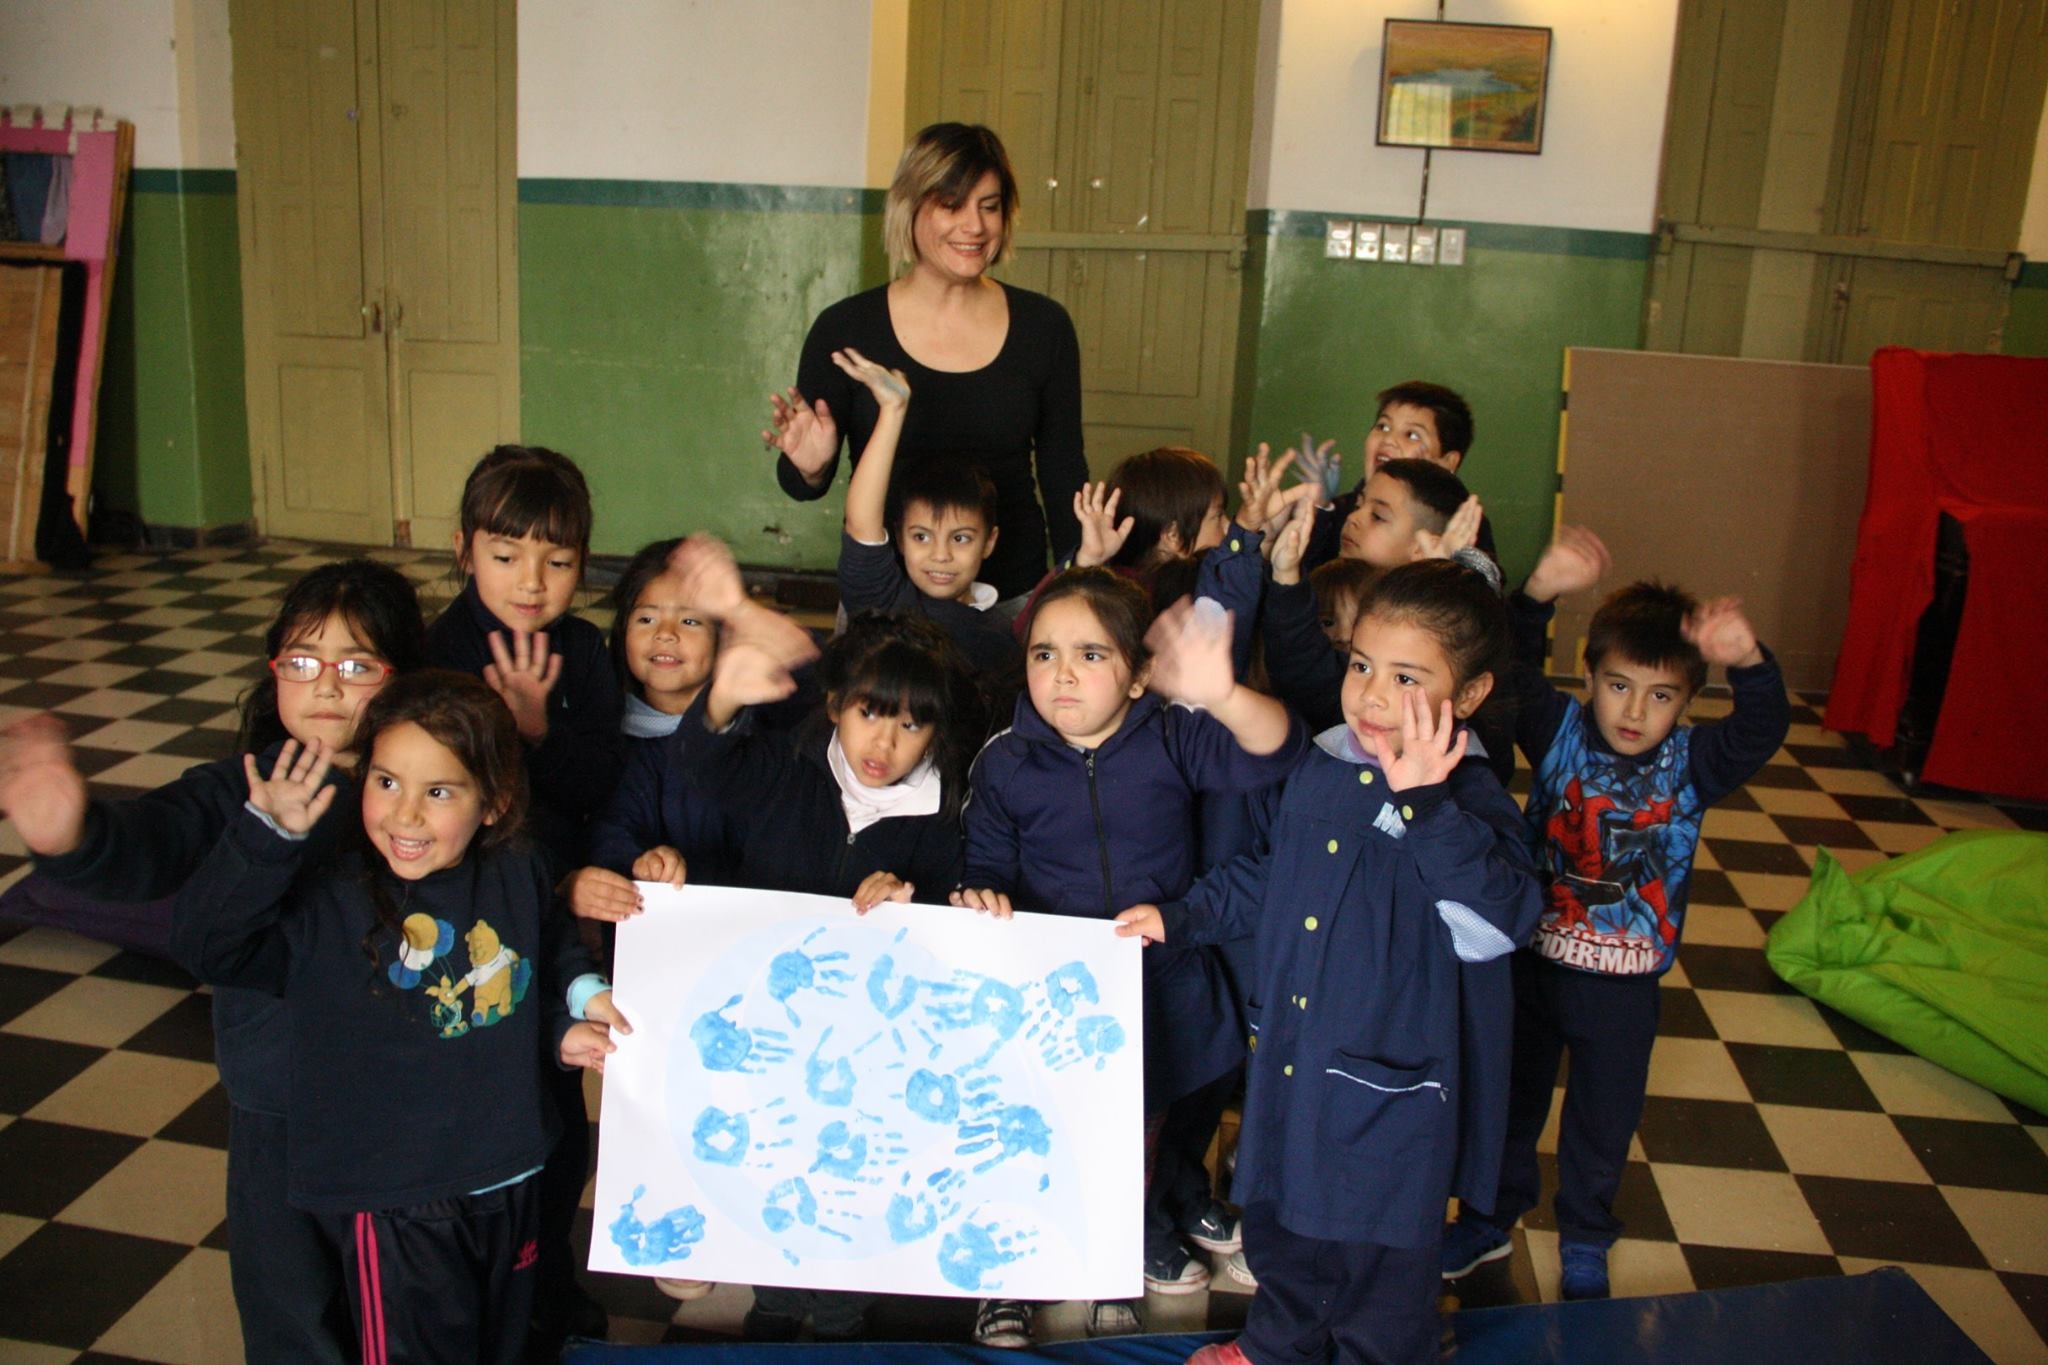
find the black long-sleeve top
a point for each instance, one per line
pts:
(1018, 417)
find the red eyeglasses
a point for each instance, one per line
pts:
(305, 668)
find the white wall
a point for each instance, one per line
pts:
(755, 91)
(1610, 77)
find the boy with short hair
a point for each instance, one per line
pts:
(1404, 511)
(1416, 420)
(1615, 805)
(940, 520)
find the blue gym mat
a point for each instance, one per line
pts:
(1841, 1320)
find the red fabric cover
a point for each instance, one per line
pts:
(1966, 435)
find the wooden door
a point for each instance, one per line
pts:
(312, 268)
(1134, 208)
(378, 203)
(451, 237)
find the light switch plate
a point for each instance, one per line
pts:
(1422, 246)
(1450, 246)
(1394, 245)
(1337, 237)
(1367, 246)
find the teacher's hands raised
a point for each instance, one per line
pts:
(805, 432)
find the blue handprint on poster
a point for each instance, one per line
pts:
(919, 1101)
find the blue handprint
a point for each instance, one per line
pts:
(780, 1219)
(667, 1238)
(1069, 985)
(796, 970)
(725, 1046)
(719, 1137)
(828, 1082)
(1015, 1129)
(969, 1252)
(840, 1152)
(878, 988)
(932, 1096)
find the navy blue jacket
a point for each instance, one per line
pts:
(148, 848)
(573, 770)
(654, 804)
(1090, 832)
(1381, 1014)
(778, 790)
(414, 1077)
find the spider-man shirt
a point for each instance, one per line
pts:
(1617, 836)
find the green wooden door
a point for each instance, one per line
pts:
(1128, 122)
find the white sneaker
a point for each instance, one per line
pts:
(1240, 1270)
(1004, 1324)
(1114, 1318)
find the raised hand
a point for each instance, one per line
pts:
(1431, 746)
(1260, 487)
(1141, 921)
(877, 887)
(601, 894)
(292, 796)
(1291, 542)
(1461, 532)
(660, 864)
(1320, 466)
(1101, 534)
(805, 432)
(710, 578)
(1190, 644)
(40, 789)
(1722, 634)
(523, 675)
(1574, 562)
(891, 388)
(982, 901)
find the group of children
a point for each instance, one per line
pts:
(1273, 746)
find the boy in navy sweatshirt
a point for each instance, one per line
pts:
(1615, 806)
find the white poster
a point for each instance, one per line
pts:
(920, 1101)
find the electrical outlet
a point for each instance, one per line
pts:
(1394, 245)
(1450, 246)
(1337, 235)
(1422, 246)
(1367, 247)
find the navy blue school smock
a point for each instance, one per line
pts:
(1090, 832)
(1381, 1011)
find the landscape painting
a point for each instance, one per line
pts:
(1463, 87)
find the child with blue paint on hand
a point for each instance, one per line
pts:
(1391, 883)
(861, 800)
(422, 965)
(1088, 802)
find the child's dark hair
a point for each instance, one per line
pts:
(1452, 413)
(944, 485)
(1170, 486)
(519, 491)
(646, 566)
(382, 609)
(1341, 578)
(1119, 604)
(1438, 493)
(461, 713)
(1456, 607)
(893, 664)
(1644, 623)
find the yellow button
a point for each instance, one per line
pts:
(1233, 546)
(1332, 845)
(1309, 924)
(1365, 777)
(1407, 812)
(1252, 1043)
(1303, 1002)
(1287, 1071)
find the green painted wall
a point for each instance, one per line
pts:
(655, 321)
(173, 443)
(2026, 325)
(1331, 334)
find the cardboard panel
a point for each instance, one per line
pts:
(1724, 476)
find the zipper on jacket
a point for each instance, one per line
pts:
(1101, 838)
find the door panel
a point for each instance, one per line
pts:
(1930, 307)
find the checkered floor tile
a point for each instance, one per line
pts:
(1780, 1140)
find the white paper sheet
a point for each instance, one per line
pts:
(921, 1101)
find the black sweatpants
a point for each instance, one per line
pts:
(561, 1196)
(1343, 1301)
(451, 1279)
(1605, 1027)
(285, 1272)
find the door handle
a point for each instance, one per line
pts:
(374, 311)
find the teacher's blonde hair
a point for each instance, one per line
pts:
(943, 162)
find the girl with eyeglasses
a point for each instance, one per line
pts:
(342, 631)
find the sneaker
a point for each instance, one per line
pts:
(1216, 1230)
(1220, 1353)
(1239, 1269)
(684, 1291)
(1585, 1270)
(1114, 1318)
(1176, 1272)
(1470, 1243)
(1004, 1324)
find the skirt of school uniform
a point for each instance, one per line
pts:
(450, 1279)
(1343, 1301)
(285, 1272)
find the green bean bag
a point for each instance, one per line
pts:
(1944, 951)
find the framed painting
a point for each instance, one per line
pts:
(1463, 87)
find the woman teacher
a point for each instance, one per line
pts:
(995, 371)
